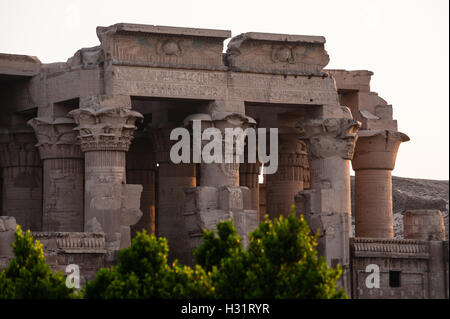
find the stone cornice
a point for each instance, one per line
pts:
(72, 242)
(393, 248)
(105, 128)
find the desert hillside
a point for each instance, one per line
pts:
(410, 193)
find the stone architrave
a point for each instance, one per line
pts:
(22, 178)
(327, 205)
(63, 164)
(374, 160)
(173, 179)
(106, 125)
(219, 196)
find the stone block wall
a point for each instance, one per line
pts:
(408, 268)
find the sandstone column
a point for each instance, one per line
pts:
(22, 178)
(219, 196)
(374, 160)
(282, 186)
(173, 179)
(141, 169)
(105, 126)
(63, 164)
(326, 205)
(249, 177)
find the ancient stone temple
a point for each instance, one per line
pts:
(85, 153)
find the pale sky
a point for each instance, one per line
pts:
(404, 42)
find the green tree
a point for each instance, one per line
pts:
(142, 271)
(281, 262)
(28, 276)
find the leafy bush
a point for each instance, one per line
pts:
(28, 276)
(142, 272)
(281, 262)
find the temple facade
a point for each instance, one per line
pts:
(85, 153)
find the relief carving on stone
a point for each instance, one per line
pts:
(330, 137)
(56, 138)
(108, 128)
(169, 47)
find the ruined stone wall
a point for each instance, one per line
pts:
(421, 267)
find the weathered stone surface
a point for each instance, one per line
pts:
(62, 174)
(277, 53)
(330, 137)
(22, 178)
(372, 111)
(7, 230)
(19, 65)
(160, 46)
(282, 186)
(413, 194)
(419, 264)
(374, 160)
(107, 128)
(231, 198)
(141, 169)
(424, 224)
(86, 249)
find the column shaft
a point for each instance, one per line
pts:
(63, 195)
(172, 182)
(146, 178)
(373, 204)
(249, 177)
(22, 196)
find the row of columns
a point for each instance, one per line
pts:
(90, 162)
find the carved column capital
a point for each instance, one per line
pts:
(377, 149)
(105, 128)
(330, 137)
(56, 138)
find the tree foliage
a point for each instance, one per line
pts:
(281, 262)
(28, 276)
(142, 271)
